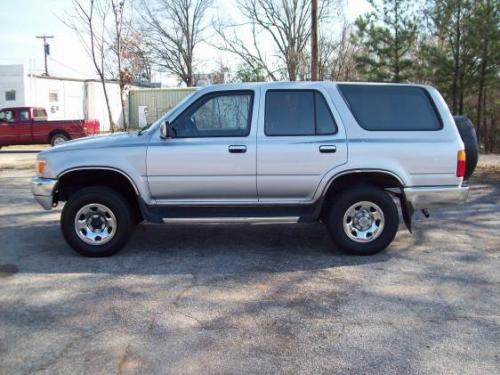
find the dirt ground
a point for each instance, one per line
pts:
(250, 298)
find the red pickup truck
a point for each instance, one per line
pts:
(29, 125)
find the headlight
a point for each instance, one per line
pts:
(40, 167)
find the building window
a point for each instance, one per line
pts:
(53, 96)
(10, 95)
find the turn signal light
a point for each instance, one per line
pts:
(461, 163)
(40, 167)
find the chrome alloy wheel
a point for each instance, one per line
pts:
(59, 139)
(95, 224)
(363, 222)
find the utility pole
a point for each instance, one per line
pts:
(46, 49)
(314, 40)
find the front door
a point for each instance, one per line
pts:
(211, 157)
(8, 134)
(300, 140)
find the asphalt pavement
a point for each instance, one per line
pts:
(257, 298)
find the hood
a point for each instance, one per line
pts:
(114, 140)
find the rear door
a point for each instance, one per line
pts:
(212, 157)
(300, 139)
(24, 127)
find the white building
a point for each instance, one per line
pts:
(63, 98)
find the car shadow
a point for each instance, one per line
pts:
(202, 249)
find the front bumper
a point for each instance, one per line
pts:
(43, 189)
(429, 197)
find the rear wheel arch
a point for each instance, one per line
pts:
(381, 178)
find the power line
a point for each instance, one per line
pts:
(71, 68)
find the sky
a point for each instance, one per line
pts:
(22, 20)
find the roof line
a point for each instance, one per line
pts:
(71, 79)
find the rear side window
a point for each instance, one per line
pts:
(24, 115)
(297, 112)
(391, 107)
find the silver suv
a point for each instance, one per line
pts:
(340, 153)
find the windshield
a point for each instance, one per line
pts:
(162, 118)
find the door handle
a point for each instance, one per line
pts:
(237, 149)
(328, 149)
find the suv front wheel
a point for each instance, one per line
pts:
(96, 221)
(362, 220)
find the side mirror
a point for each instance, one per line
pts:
(165, 130)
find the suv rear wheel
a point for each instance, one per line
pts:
(96, 221)
(362, 220)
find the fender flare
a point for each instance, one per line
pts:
(406, 209)
(360, 170)
(124, 174)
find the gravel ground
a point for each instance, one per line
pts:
(250, 298)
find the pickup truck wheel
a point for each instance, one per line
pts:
(58, 138)
(363, 220)
(96, 221)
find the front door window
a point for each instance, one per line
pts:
(218, 115)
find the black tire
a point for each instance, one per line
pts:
(111, 199)
(58, 137)
(346, 199)
(469, 137)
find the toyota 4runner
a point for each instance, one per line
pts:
(340, 153)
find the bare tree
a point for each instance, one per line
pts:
(286, 23)
(251, 54)
(220, 73)
(89, 21)
(175, 28)
(118, 8)
(137, 57)
(337, 56)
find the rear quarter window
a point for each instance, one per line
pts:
(391, 107)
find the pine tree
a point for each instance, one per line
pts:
(461, 57)
(452, 24)
(387, 38)
(486, 49)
